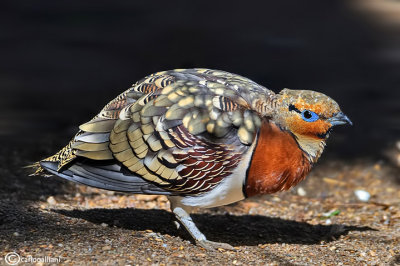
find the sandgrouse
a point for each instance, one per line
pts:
(204, 138)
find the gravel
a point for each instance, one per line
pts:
(323, 224)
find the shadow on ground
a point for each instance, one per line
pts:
(249, 230)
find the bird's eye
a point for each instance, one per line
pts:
(309, 116)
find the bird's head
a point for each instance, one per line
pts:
(310, 116)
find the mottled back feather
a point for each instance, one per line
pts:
(182, 130)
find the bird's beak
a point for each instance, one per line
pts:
(340, 119)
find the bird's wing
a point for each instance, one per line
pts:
(183, 131)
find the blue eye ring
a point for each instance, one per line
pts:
(309, 116)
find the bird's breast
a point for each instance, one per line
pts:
(277, 163)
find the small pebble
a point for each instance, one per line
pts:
(105, 248)
(387, 221)
(276, 199)
(253, 211)
(15, 234)
(301, 192)
(51, 200)
(152, 235)
(328, 221)
(104, 224)
(362, 195)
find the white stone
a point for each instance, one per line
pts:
(301, 191)
(362, 195)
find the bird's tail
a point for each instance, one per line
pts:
(36, 169)
(62, 158)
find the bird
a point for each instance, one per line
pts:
(204, 138)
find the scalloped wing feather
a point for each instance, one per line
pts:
(182, 130)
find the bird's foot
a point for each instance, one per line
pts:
(211, 245)
(184, 218)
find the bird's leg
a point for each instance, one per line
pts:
(182, 214)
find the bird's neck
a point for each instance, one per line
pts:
(277, 163)
(312, 146)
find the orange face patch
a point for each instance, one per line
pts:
(297, 125)
(295, 102)
(321, 109)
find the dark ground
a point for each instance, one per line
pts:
(62, 61)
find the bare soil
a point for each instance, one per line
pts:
(320, 222)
